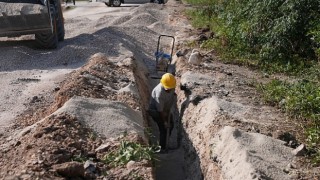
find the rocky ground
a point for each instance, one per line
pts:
(112, 57)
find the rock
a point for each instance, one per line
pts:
(125, 62)
(195, 57)
(179, 54)
(87, 164)
(202, 37)
(69, 169)
(300, 150)
(286, 170)
(89, 167)
(131, 164)
(103, 148)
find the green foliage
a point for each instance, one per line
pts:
(130, 151)
(274, 92)
(302, 101)
(79, 158)
(266, 30)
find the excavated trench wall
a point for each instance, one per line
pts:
(180, 139)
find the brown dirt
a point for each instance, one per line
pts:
(234, 83)
(60, 140)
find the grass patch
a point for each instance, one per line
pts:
(300, 100)
(130, 151)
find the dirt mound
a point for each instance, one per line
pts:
(60, 147)
(146, 18)
(99, 78)
(214, 95)
(56, 146)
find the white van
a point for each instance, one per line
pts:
(117, 3)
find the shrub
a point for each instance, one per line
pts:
(267, 30)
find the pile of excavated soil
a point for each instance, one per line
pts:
(60, 145)
(99, 78)
(213, 95)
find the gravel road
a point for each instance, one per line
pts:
(28, 73)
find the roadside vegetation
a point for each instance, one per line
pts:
(130, 151)
(275, 36)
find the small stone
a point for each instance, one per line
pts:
(89, 166)
(286, 170)
(103, 148)
(69, 169)
(195, 58)
(131, 164)
(299, 151)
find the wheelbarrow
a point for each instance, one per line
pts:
(163, 59)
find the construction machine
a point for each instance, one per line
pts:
(43, 18)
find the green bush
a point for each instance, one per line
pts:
(300, 100)
(267, 30)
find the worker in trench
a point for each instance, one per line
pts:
(163, 97)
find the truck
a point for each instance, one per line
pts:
(43, 18)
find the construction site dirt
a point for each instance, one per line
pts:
(63, 110)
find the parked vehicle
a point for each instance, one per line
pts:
(43, 18)
(117, 3)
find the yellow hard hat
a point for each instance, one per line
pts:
(168, 81)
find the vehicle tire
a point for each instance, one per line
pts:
(60, 23)
(116, 3)
(107, 4)
(49, 40)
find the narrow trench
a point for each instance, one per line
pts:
(182, 161)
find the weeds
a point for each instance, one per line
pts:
(79, 158)
(301, 100)
(130, 151)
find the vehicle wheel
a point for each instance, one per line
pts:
(49, 40)
(116, 3)
(107, 4)
(60, 23)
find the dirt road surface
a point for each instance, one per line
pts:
(28, 73)
(58, 106)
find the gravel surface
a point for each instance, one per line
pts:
(26, 72)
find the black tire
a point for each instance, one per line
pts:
(116, 3)
(60, 23)
(49, 40)
(107, 4)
